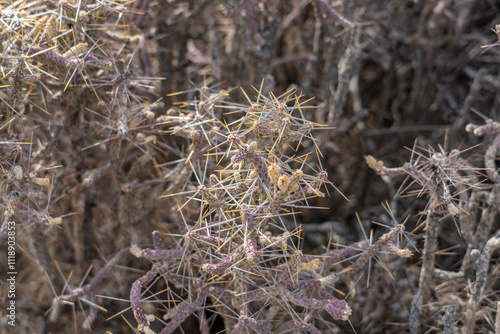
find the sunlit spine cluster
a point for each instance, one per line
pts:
(241, 179)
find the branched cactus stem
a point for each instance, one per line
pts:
(89, 320)
(497, 319)
(449, 319)
(447, 275)
(250, 244)
(92, 288)
(244, 322)
(219, 268)
(338, 309)
(417, 174)
(338, 254)
(371, 250)
(490, 159)
(470, 316)
(490, 126)
(488, 215)
(157, 242)
(428, 256)
(481, 261)
(157, 254)
(392, 172)
(135, 298)
(428, 259)
(486, 221)
(345, 22)
(416, 304)
(182, 312)
(309, 328)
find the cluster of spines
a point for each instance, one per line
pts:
(63, 72)
(452, 187)
(238, 247)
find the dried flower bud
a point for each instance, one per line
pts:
(237, 176)
(41, 181)
(274, 173)
(404, 252)
(53, 221)
(294, 181)
(376, 165)
(252, 146)
(76, 50)
(470, 127)
(311, 265)
(136, 251)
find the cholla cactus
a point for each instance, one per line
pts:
(241, 179)
(62, 59)
(452, 187)
(65, 86)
